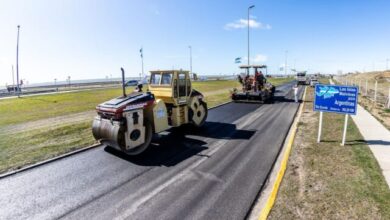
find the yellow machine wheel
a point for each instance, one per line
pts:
(198, 113)
(144, 146)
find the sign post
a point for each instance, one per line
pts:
(337, 99)
(345, 129)
(320, 128)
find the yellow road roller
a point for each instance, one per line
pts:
(128, 122)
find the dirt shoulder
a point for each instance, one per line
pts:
(329, 181)
(377, 110)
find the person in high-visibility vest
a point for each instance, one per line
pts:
(295, 88)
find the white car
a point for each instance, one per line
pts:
(313, 82)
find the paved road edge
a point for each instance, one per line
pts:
(282, 166)
(71, 153)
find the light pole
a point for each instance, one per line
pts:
(17, 63)
(285, 64)
(248, 34)
(13, 79)
(190, 59)
(68, 81)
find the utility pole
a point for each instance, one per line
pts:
(13, 79)
(285, 64)
(17, 63)
(248, 35)
(190, 60)
(295, 60)
(69, 81)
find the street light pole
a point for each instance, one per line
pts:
(190, 59)
(13, 79)
(285, 64)
(17, 63)
(248, 35)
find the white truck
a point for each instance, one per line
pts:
(301, 78)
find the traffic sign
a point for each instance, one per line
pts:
(338, 99)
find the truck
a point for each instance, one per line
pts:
(301, 78)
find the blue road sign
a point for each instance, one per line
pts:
(338, 99)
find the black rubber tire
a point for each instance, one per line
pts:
(191, 114)
(148, 138)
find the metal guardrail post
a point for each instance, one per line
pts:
(376, 89)
(388, 100)
(366, 87)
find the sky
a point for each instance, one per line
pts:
(93, 39)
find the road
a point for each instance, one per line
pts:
(212, 173)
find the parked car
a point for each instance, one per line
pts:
(131, 83)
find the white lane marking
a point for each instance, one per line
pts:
(240, 123)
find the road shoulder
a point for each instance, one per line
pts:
(266, 199)
(329, 181)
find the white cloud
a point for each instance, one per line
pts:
(243, 23)
(259, 58)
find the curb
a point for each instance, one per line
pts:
(225, 103)
(275, 188)
(48, 161)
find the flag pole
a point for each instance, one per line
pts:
(142, 62)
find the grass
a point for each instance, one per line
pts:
(329, 181)
(36, 145)
(30, 108)
(26, 147)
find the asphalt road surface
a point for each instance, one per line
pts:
(212, 173)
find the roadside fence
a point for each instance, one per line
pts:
(377, 91)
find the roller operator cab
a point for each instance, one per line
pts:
(129, 122)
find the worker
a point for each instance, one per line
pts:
(240, 80)
(138, 88)
(295, 88)
(260, 79)
(247, 83)
(256, 81)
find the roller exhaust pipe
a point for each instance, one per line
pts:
(123, 82)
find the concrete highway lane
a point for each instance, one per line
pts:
(211, 173)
